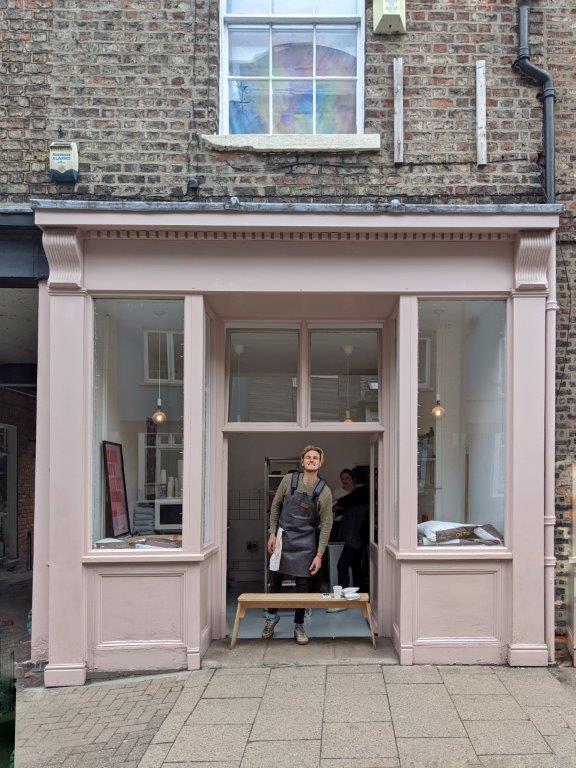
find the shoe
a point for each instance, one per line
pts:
(335, 610)
(269, 625)
(300, 636)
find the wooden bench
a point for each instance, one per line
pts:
(298, 600)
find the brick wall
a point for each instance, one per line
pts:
(19, 410)
(136, 84)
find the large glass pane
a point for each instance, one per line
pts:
(461, 422)
(292, 52)
(292, 106)
(138, 423)
(336, 52)
(336, 6)
(293, 6)
(248, 106)
(344, 375)
(248, 52)
(248, 6)
(335, 106)
(263, 375)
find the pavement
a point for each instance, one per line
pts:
(366, 715)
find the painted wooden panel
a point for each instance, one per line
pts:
(141, 607)
(456, 604)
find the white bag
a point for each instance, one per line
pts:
(277, 554)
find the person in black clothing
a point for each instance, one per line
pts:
(354, 510)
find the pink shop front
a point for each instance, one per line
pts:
(184, 348)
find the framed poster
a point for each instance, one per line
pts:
(117, 517)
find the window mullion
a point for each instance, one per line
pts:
(270, 73)
(304, 377)
(314, 79)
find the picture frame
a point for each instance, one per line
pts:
(117, 516)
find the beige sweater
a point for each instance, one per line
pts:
(324, 508)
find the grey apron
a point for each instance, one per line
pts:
(298, 519)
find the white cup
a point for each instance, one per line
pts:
(337, 590)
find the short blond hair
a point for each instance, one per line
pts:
(315, 448)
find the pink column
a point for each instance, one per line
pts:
(68, 346)
(40, 583)
(528, 647)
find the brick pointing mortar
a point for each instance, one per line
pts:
(136, 84)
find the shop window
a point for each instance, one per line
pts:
(461, 422)
(263, 375)
(344, 375)
(138, 422)
(292, 66)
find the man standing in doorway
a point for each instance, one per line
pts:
(302, 502)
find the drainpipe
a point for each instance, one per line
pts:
(547, 96)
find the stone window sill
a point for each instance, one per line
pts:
(334, 142)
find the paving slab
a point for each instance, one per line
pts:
(550, 721)
(482, 707)
(224, 711)
(414, 674)
(349, 685)
(423, 710)
(358, 740)
(521, 761)
(356, 709)
(236, 686)
(245, 652)
(564, 746)
(288, 719)
(297, 676)
(303, 754)
(218, 764)
(536, 692)
(432, 753)
(288, 652)
(478, 684)
(209, 743)
(510, 737)
(354, 669)
(171, 726)
(381, 762)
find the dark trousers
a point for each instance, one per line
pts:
(350, 558)
(302, 585)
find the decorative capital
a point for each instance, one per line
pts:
(531, 260)
(63, 248)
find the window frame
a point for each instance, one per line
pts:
(170, 356)
(235, 20)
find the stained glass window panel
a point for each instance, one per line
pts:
(292, 52)
(248, 6)
(292, 6)
(336, 106)
(336, 52)
(292, 106)
(249, 52)
(336, 6)
(248, 106)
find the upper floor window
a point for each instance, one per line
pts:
(292, 67)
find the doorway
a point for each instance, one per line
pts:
(256, 464)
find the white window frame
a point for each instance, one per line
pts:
(228, 20)
(169, 336)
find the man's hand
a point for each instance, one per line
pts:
(271, 543)
(316, 565)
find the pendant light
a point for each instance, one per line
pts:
(438, 411)
(159, 417)
(348, 349)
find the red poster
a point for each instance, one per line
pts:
(117, 518)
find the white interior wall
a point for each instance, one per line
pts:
(247, 454)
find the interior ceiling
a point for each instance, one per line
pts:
(318, 307)
(18, 325)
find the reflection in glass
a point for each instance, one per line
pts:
(335, 106)
(461, 452)
(263, 373)
(248, 6)
(130, 336)
(292, 52)
(344, 375)
(248, 52)
(292, 106)
(336, 52)
(248, 106)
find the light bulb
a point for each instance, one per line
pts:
(159, 417)
(438, 411)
